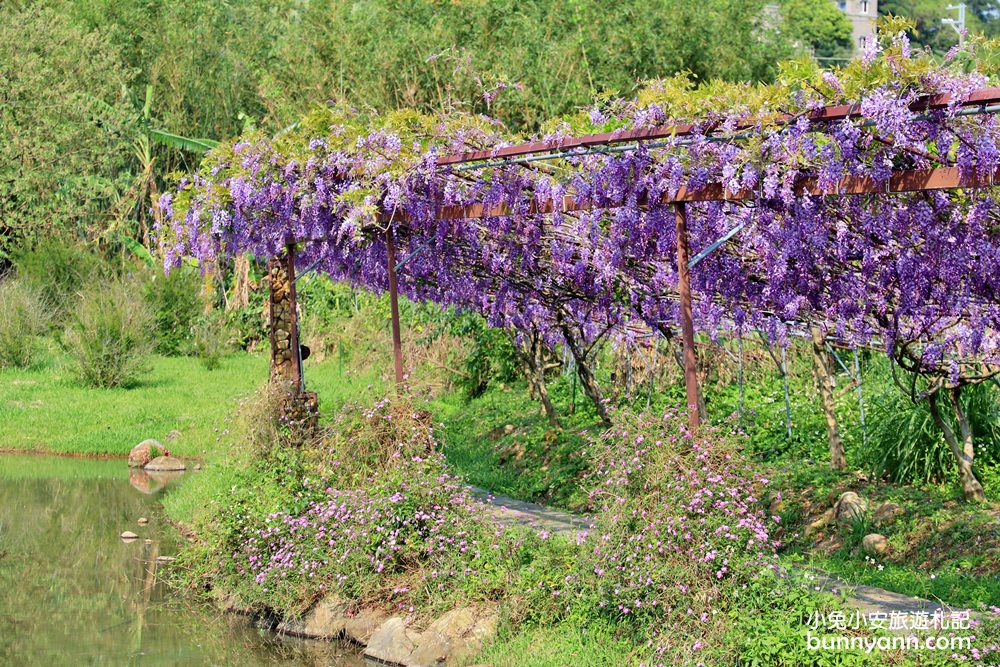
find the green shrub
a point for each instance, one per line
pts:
(24, 318)
(491, 359)
(57, 271)
(905, 445)
(248, 325)
(324, 301)
(175, 305)
(109, 336)
(210, 339)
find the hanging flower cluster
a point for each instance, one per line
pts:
(911, 273)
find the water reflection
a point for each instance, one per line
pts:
(73, 593)
(152, 482)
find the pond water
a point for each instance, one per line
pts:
(73, 593)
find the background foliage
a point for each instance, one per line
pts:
(64, 156)
(75, 114)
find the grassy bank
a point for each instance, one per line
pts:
(45, 409)
(940, 548)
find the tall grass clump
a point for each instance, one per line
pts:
(57, 270)
(175, 305)
(109, 336)
(211, 339)
(906, 446)
(23, 317)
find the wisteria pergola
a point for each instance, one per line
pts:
(861, 219)
(900, 181)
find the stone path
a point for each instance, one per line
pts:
(866, 599)
(534, 516)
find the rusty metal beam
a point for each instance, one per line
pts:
(827, 114)
(397, 345)
(913, 180)
(687, 318)
(293, 314)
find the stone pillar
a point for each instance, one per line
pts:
(285, 366)
(299, 407)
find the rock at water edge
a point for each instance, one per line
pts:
(144, 452)
(391, 643)
(165, 464)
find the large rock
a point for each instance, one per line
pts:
(820, 523)
(431, 650)
(457, 635)
(327, 620)
(165, 464)
(392, 643)
(144, 452)
(850, 507)
(359, 627)
(875, 544)
(438, 642)
(886, 514)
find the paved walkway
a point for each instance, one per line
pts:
(866, 599)
(534, 516)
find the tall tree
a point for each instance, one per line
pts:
(819, 26)
(64, 156)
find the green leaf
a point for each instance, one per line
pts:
(139, 251)
(183, 143)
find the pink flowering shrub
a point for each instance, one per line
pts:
(680, 538)
(370, 512)
(984, 650)
(679, 520)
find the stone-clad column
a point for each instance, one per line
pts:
(285, 365)
(299, 406)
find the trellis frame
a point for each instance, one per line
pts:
(986, 100)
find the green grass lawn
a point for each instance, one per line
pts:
(46, 409)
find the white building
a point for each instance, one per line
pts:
(862, 15)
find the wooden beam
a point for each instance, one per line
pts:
(828, 114)
(913, 180)
(687, 318)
